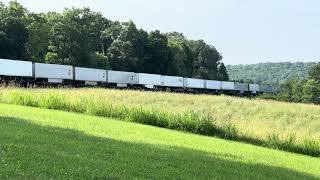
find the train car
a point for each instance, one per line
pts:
(191, 83)
(227, 86)
(264, 88)
(53, 73)
(172, 81)
(150, 81)
(121, 78)
(14, 68)
(254, 88)
(26, 72)
(213, 85)
(275, 89)
(90, 76)
(242, 87)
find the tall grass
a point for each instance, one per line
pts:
(194, 122)
(198, 122)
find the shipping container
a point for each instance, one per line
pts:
(193, 83)
(149, 79)
(171, 81)
(15, 68)
(92, 75)
(225, 85)
(53, 72)
(254, 87)
(241, 86)
(210, 84)
(121, 77)
(265, 88)
(275, 89)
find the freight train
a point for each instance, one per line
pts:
(31, 73)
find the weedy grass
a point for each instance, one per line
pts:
(49, 144)
(200, 114)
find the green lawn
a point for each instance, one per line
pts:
(285, 126)
(39, 143)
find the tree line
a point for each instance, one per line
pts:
(300, 91)
(85, 38)
(270, 73)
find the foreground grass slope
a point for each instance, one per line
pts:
(39, 143)
(292, 127)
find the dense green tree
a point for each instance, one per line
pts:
(75, 34)
(122, 56)
(206, 60)
(222, 72)
(52, 58)
(128, 48)
(270, 73)
(180, 57)
(99, 60)
(13, 31)
(39, 37)
(158, 54)
(314, 73)
(311, 92)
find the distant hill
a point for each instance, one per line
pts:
(271, 73)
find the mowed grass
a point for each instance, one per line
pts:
(290, 127)
(42, 144)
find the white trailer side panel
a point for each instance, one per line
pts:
(275, 89)
(241, 86)
(225, 85)
(88, 74)
(193, 83)
(171, 81)
(149, 79)
(15, 68)
(53, 71)
(265, 88)
(121, 77)
(213, 84)
(254, 87)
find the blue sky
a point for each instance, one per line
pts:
(244, 31)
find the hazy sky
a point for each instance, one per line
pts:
(244, 31)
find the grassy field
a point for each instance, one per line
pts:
(42, 144)
(292, 127)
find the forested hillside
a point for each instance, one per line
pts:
(85, 38)
(270, 73)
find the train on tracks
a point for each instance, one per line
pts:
(27, 73)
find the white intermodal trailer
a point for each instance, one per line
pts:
(90, 76)
(149, 81)
(275, 89)
(53, 73)
(13, 68)
(265, 88)
(254, 88)
(227, 86)
(242, 87)
(193, 83)
(121, 78)
(213, 85)
(172, 81)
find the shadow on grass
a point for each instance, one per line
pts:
(30, 151)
